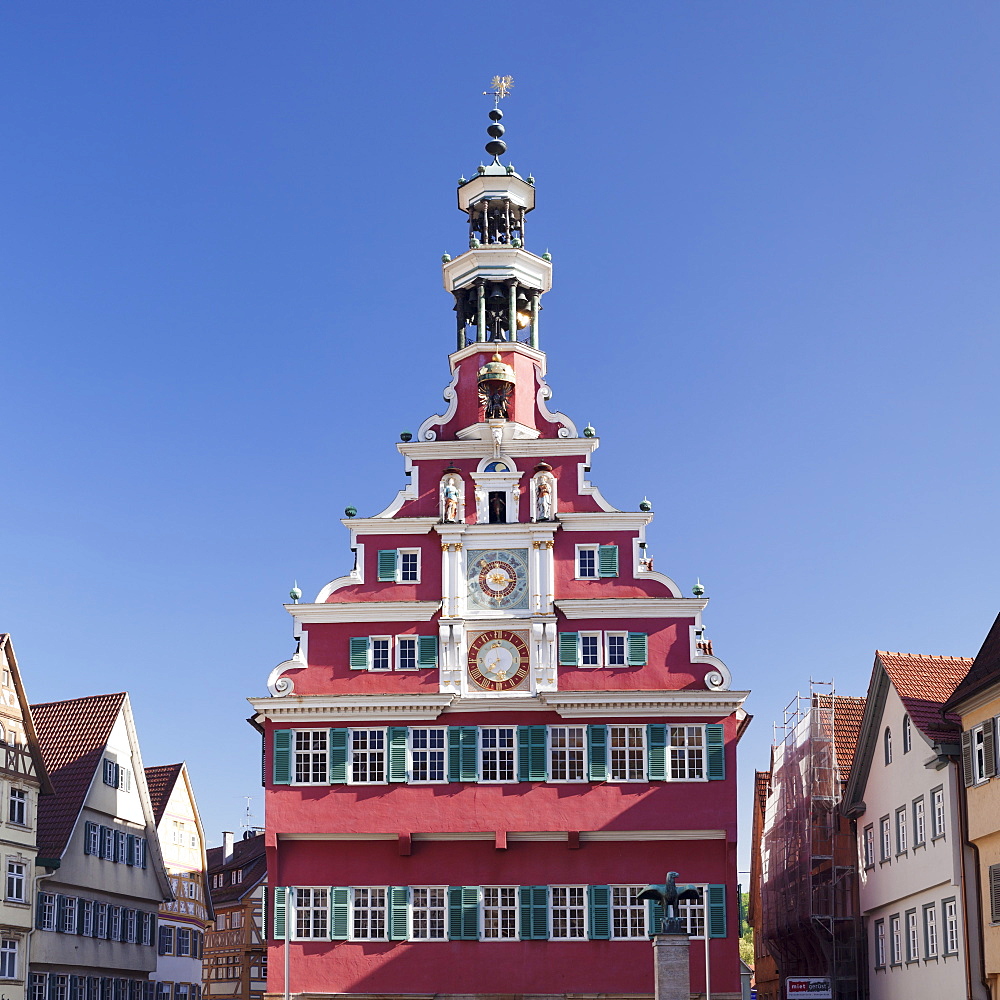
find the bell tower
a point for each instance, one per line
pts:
(497, 283)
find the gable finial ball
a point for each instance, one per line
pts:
(698, 589)
(445, 257)
(295, 593)
(589, 432)
(405, 436)
(351, 511)
(645, 506)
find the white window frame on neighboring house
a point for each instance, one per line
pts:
(895, 940)
(365, 759)
(500, 758)
(369, 913)
(919, 823)
(885, 839)
(68, 921)
(902, 844)
(907, 734)
(8, 958)
(429, 913)
(47, 911)
(912, 937)
(310, 756)
(568, 913)
(951, 933)
(17, 807)
(868, 846)
(879, 951)
(15, 884)
(567, 754)
(499, 905)
(425, 759)
(623, 769)
(87, 917)
(937, 813)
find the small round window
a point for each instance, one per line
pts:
(496, 467)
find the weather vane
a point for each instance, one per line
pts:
(500, 87)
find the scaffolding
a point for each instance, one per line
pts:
(808, 855)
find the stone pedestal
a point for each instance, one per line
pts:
(671, 967)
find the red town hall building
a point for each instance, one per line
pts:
(503, 723)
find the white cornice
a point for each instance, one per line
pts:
(503, 703)
(516, 447)
(580, 704)
(623, 520)
(633, 607)
(352, 707)
(365, 611)
(524, 836)
(480, 346)
(389, 525)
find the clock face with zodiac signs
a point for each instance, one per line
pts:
(497, 579)
(498, 661)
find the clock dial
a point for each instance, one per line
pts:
(497, 579)
(498, 661)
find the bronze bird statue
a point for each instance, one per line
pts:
(668, 896)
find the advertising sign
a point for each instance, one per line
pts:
(808, 988)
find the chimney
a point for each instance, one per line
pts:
(227, 846)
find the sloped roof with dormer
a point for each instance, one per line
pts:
(250, 857)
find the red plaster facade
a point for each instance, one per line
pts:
(352, 808)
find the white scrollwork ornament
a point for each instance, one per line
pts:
(714, 681)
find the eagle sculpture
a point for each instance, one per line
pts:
(668, 896)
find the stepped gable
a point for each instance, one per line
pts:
(985, 668)
(72, 736)
(160, 781)
(924, 684)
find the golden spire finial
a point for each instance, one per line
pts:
(500, 87)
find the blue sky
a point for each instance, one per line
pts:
(774, 233)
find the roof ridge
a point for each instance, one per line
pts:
(922, 656)
(85, 697)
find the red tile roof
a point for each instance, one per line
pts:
(762, 786)
(160, 781)
(924, 684)
(985, 668)
(72, 736)
(847, 715)
(249, 856)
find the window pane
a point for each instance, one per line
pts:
(499, 913)
(569, 911)
(498, 754)
(310, 756)
(628, 761)
(567, 751)
(429, 914)
(369, 914)
(687, 760)
(628, 912)
(367, 755)
(428, 750)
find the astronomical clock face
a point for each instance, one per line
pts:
(498, 661)
(498, 579)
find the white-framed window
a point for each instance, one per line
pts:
(236, 920)
(950, 927)
(887, 745)
(311, 764)
(901, 841)
(17, 807)
(499, 913)
(39, 986)
(628, 912)
(87, 917)
(429, 913)
(101, 911)
(692, 912)
(47, 911)
(868, 846)
(368, 917)
(627, 753)
(406, 652)
(912, 937)
(687, 752)
(930, 931)
(919, 825)
(8, 958)
(895, 941)
(110, 773)
(107, 843)
(409, 566)
(381, 652)
(428, 755)
(58, 987)
(568, 912)
(983, 752)
(15, 881)
(184, 941)
(367, 756)
(93, 836)
(498, 753)
(312, 913)
(567, 753)
(590, 649)
(132, 927)
(140, 852)
(907, 734)
(586, 562)
(121, 848)
(885, 836)
(116, 923)
(616, 649)
(879, 944)
(67, 922)
(937, 813)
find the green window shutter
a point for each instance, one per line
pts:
(399, 912)
(656, 751)
(531, 753)
(597, 753)
(280, 912)
(654, 916)
(607, 560)
(534, 903)
(281, 756)
(463, 746)
(715, 752)
(339, 907)
(716, 911)
(463, 913)
(338, 755)
(569, 649)
(638, 649)
(387, 559)
(397, 753)
(359, 652)
(427, 651)
(599, 903)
